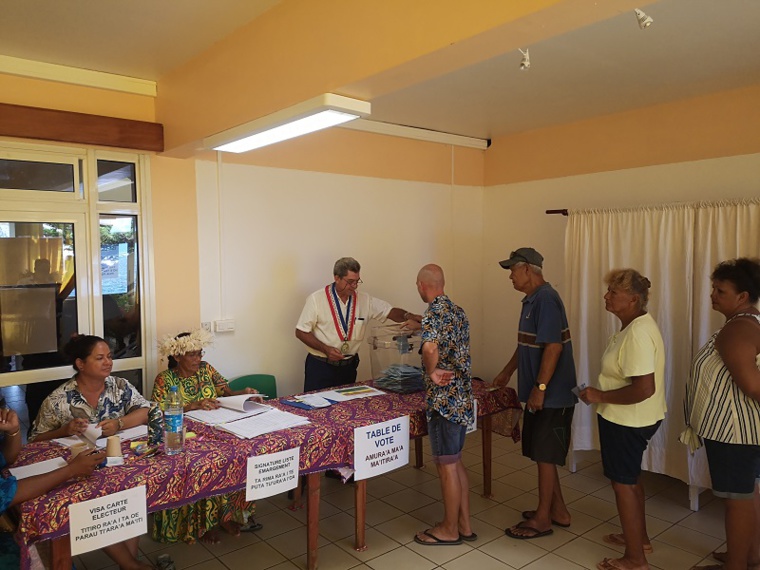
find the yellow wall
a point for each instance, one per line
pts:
(51, 95)
(716, 125)
(175, 245)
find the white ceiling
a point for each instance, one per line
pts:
(694, 47)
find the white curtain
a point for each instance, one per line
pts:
(676, 247)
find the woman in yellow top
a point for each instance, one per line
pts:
(630, 401)
(199, 386)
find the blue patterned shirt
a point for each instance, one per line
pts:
(65, 403)
(445, 324)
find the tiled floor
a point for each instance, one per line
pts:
(408, 500)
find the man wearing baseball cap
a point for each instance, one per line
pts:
(545, 377)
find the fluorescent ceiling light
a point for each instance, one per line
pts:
(313, 115)
(416, 133)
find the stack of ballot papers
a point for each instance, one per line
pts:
(232, 408)
(267, 422)
(401, 378)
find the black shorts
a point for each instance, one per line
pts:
(734, 468)
(546, 435)
(622, 449)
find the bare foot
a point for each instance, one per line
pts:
(210, 537)
(231, 527)
(562, 520)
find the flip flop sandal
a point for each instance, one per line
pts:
(165, 562)
(535, 533)
(436, 541)
(468, 537)
(251, 526)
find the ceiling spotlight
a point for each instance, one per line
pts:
(643, 20)
(525, 62)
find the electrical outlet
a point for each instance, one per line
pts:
(206, 326)
(224, 325)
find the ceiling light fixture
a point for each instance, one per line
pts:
(643, 20)
(525, 62)
(324, 111)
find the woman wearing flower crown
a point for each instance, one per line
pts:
(199, 386)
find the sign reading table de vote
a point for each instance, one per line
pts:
(381, 447)
(108, 520)
(272, 473)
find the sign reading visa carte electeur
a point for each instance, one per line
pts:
(381, 447)
(107, 520)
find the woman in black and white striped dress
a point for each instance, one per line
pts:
(723, 408)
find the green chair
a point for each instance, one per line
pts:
(264, 383)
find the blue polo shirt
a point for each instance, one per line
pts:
(543, 321)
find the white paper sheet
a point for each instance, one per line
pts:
(254, 426)
(38, 468)
(242, 403)
(125, 434)
(223, 415)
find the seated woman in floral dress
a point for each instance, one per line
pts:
(199, 386)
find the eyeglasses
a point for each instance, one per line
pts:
(195, 354)
(353, 282)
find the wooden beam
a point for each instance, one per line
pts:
(65, 126)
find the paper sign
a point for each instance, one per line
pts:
(272, 474)
(474, 425)
(380, 448)
(108, 520)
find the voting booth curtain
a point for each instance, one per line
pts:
(677, 247)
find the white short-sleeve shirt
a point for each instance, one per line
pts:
(317, 318)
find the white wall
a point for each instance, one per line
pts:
(514, 217)
(281, 232)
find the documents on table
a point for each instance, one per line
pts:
(314, 400)
(233, 408)
(351, 393)
(272, 420)
(38, 468)
(92, 436)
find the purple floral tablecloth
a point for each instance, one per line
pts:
(214, 462)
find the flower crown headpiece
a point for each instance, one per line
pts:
(198, 339)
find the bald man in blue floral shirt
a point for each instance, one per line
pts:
(448, 387)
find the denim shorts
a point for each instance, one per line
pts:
(446, 439)
(734, 469)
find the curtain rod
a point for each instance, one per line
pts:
(563, 212)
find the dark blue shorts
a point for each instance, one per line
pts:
(446, 439)
(623, 449)
(734, 468)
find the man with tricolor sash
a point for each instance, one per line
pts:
(333, 323)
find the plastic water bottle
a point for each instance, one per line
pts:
(174, 435)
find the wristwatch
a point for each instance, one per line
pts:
(121, 424)
(541, 387)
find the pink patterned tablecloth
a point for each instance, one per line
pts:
(214, 462)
